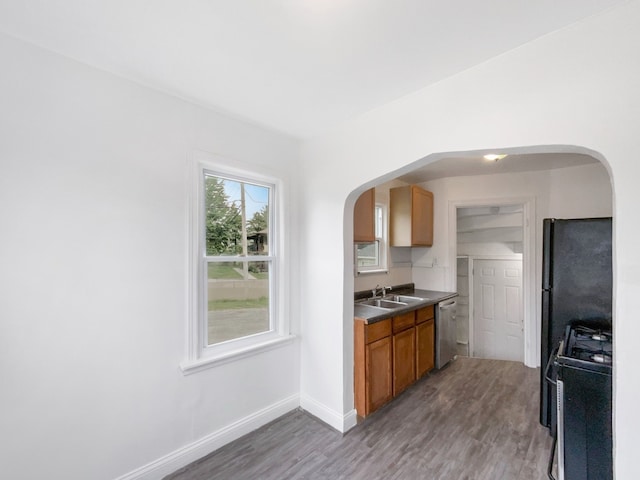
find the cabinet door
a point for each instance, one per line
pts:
(378, 374)
(425, 359)
(364, 218)
(421, 217)
(404, 356)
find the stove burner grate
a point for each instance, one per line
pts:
(588, 344)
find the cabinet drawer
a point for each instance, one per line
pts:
(404, 321)
(377, 330)
(424, 314)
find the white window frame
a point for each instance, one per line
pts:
(201, 355)
(381, 239)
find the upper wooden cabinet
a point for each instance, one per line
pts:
(364, 218)
(410, 217)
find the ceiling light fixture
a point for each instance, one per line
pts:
(493, 157)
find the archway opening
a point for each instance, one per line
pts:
(548, 181)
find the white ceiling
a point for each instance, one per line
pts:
(297, 66)
(476, 165)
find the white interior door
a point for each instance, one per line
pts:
(497, 309)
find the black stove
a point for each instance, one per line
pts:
(588, 345)
(584, 390)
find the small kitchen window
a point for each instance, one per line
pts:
(234, 267)
(372, 257)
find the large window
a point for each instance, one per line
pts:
(372, 257)
(237, 257)
(235, 261)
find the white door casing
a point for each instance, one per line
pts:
(530, 282)
(497, 309)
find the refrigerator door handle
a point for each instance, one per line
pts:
(547, 252)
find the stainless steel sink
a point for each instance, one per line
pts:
(383, 303)
(404, 298)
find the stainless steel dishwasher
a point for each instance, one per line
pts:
(445, 332)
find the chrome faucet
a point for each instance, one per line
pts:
(383, 290)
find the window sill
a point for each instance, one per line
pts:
(371, 272)
(193, 366)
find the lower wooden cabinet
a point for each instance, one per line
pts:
(404, 356)
(390, 355)
(372, 365)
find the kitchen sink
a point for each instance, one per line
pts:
(383, 303)
(404, 298)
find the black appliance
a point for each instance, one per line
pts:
(584, 391)
(576, 288)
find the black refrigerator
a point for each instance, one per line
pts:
(576, 289)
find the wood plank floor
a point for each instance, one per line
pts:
(475, 419)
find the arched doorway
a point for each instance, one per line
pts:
(554, 181)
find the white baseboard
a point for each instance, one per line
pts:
(185, 455)
(342, 423)
(350, 420)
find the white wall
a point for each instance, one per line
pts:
(575, 87)
(93, 190)
(581, 191)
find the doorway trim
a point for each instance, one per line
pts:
(531, 331)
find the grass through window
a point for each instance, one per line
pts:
(218, 270)
(230, 304)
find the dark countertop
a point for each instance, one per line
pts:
(374, 314)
